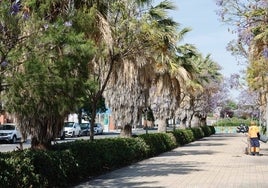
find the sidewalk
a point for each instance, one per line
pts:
(217, 161)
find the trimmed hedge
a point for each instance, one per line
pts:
(71, 162)
(159, 142)
(231, 122)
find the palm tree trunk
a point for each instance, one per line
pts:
(203, 121)
(126, 131)
(162, 126)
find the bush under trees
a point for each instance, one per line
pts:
(68, 163)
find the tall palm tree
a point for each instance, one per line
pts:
(204, 73)
(208, 76)
(148, 61)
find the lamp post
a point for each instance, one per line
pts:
(146, 118)
(266, 114)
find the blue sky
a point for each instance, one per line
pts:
(208, 34)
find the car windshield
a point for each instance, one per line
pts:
(7, 127)
(84, 125)
(97, 125)
(68, 124)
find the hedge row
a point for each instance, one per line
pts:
(232, 122)
(70, 163)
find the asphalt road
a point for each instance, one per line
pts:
(4, 147)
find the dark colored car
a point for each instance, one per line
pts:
(85, 129)
(98, 129)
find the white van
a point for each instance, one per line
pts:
(72, 129)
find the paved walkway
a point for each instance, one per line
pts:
(217, 161)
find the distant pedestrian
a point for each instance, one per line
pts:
(253, 133)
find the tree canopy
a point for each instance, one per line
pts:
(64, 54)
(249, 20)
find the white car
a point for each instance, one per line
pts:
(72, 129)
(9, 132)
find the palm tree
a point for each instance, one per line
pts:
(150, 42)
(207, 78)
(204, 73)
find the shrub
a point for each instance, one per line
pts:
(70, 162)
(231, 122)
(32, 168)
(7, 172)
(212, 130)
(198, 132)
(183, 136)
(206, 130)
(159, 142)
(95, 157)
(24, 174)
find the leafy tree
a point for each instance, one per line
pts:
(11, 36)
(51, 72)
(250, 19)
(248, 106)
(85, 111)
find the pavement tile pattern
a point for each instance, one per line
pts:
(218, 161)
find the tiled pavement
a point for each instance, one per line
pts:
(217, 161)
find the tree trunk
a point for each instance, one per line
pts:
(80, 116)
(183, 122)
(92, 121)
(203, 121)
(43, 130)
(91, 132)
(126, 131)
(38, 144)
(162, 126)
(42, 135)
(266, 114)
(174, 123)
(195, 121)
(190, 119)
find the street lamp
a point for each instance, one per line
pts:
(145, 111)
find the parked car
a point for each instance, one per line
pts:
(85, 129)
(9, 132)
(71, 129)
(98, 129)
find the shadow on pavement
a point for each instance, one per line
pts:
(123, 176)
(188, 152)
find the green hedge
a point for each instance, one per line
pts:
(229, 122)
(71, 162)
(208, 130)
(159, 142)
(98, 156)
